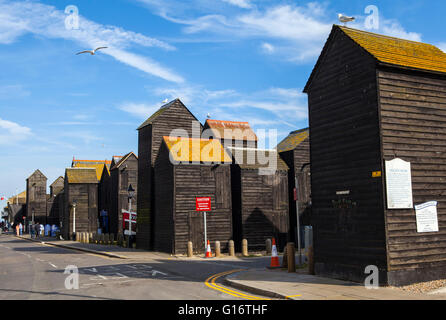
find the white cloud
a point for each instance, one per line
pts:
(268, 48)
(139, 110)
(11, 132)
(18, 18)
(240, 3)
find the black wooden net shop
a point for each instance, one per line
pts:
(374, 98)
(184, 170)
(171, 116)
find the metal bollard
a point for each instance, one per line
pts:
(112, 238)
(244, 247)
(231, 248)
(190, 249)
(268, 246)
(217, 249)
(291, 257)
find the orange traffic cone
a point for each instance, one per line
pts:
(208, 250)
(274, 257)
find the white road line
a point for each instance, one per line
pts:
(54, 266)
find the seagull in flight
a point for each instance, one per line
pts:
(344, 19)
(92, 52)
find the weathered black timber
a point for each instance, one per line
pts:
(260, 200)
(53, 202)
(81, 187)
(362, 112)
(105, 197)
(295, 151)
(176, 219)
(36, 197)
(123, 174)
(169, 117)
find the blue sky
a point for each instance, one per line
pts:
(242, 60)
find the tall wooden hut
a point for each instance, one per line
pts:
(36, 197)
(374, 98)
(259, 181)
(53, 202)
(123, 174)
(81, 187)
(172, 116)
(187, 168)
(295, 151)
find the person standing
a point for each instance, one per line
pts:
(20, 228)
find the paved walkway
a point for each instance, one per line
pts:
(298, 286)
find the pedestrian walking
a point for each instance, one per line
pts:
(20, 228)
(37, 229)
(17, 230)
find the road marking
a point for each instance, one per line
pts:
(210, 282)
(293, 296)
(54, 266)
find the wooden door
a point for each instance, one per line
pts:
(196, 231)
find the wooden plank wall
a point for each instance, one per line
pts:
(264, 208)
(193, 181)
(345, 150)
(164, 209)
(105, 195)
(413, 126)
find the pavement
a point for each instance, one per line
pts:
(250, 275)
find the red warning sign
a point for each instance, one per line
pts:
(203, 203)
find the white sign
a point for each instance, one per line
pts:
(125, 219)
(399, 184)
(427, 219)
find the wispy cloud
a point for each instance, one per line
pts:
(246, 4)
(11, 132)
(19, 18)
(15, 90)
(139, 110)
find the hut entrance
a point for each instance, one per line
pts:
(196, 231)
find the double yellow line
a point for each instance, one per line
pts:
(210, 282)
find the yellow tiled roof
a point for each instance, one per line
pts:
(196, 150)
(81, 175)
(399, 52)
(96, 164)
(21, 197)
(293, 140)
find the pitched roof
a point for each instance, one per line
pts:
(21, 196)
(96, 164)
(81, 175)
(293, 140)
(161, 110)
(57, 180)
(122, 160)
(251, 158)
(231, 130)
(187, 150)
(392, 51)
(399, 52)
(37, 172)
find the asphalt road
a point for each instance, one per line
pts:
(30, 270)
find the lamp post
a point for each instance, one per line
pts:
(74, 219)
(131, 193)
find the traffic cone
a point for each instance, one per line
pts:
(208, 250)
(274, 257)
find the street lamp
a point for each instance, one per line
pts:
(73, 204)
(131, 192)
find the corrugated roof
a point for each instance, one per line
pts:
(81, 175)
(96, 164)
(251, 158)
(196, 150)
(293, 140)
(231, 130)
(399, 52)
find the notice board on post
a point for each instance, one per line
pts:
(399, 184)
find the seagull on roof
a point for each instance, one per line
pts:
(165, 100)
(344, 19)
(92, 52)
(208, 116)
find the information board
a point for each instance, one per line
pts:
(399, 184)
(427, 218)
